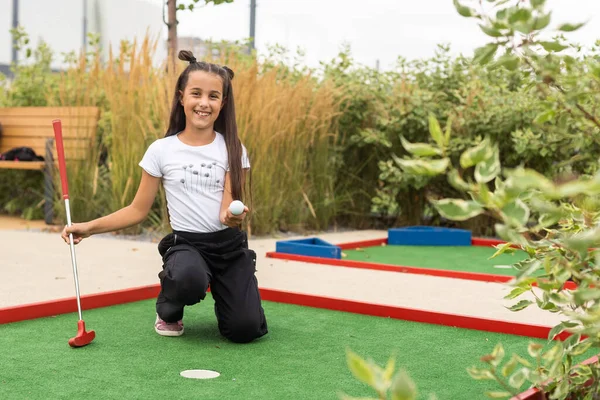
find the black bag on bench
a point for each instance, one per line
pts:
(21, 154)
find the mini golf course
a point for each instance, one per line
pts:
(443, 252)
(474, 259)
(303, 357)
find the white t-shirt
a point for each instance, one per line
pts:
(193, 178)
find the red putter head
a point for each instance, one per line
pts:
(83, 338)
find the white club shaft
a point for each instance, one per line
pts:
(73, 259)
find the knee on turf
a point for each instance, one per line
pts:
(242, 330)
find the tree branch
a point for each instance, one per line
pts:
(587, 114)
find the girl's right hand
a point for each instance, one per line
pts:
(79, 231)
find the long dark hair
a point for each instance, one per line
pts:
(225, 123)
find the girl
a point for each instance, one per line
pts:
(202, 165)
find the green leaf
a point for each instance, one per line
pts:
(181, 7)
(457, 182)
(448, 130)
(570, 27)
(510, 366)
(542, 22)
(562, 390)
(522, 361)
(485, 54)
(520, 15)
(521, 305)
(497, 355)
(509, 235)
(501, 14)
(423, 167)
(582, 374)
(581, 242)
(403, 388)
(553, 46)
(577, 187)
(457, 209)
(516, 292)
(545, 116)
(557, 330)
(489, 169)
(420, 149)
(521, 179)
(477, 154)
(581, 347)
(582, 296)
(490, 31)
(360, 368)
(525, 27)
(534, 349)
(509, 61)
(546, 305)
(537, 3)
(480, 374)
(388, 373)
(436, 131)
(482, 194)
(516, 212)
(372, 136)
(547, 220)
(497, 395)
(571, 341)
(554, 353)
(517, 379)
(527, 283)
(464, 10)
(503, 248)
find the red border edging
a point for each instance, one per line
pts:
(363, 243)
(473, 276)
(64, 306)
(408, 314)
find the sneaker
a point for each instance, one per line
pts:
(168, 328)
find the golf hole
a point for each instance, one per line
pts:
(199, 374)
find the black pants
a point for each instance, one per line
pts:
(194, 261)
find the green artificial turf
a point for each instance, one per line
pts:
(303, 357)
(454, 258)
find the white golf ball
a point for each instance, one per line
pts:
(236, 207)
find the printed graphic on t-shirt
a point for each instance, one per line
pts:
(201, 178)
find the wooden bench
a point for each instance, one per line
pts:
(32, 127)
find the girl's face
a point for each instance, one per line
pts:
(202, 99)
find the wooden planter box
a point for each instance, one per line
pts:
(536, 394)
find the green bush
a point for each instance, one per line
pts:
(555, 221)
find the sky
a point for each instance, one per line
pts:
(375, 30)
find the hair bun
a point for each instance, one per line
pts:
(186, 55)
(229, 72)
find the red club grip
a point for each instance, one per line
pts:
(61, 157)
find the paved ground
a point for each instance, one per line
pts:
(36, 266)
(16, 223)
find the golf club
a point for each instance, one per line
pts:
(83, 338)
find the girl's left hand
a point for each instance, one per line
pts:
(232, 221)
